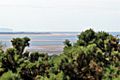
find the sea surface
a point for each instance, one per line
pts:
(51, 42)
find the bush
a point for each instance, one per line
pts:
(94, 56)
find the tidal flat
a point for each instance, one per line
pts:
(51, 43)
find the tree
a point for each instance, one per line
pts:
(20, 43)
(92, 55)
(67, 43)
(87, 36)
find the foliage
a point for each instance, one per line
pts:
(94, 56)
(67, 43)
(20, 43)
(10, 76)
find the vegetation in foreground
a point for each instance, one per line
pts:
(94, 56)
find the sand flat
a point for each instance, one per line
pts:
(56, 34)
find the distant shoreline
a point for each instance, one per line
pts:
(25, 33)
(39, 33)
(43, 32)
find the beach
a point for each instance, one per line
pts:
(51, 43)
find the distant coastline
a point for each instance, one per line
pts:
(39, 33)
(48, 42)
(42, 32)
(25, 33)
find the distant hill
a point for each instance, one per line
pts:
(5, 30)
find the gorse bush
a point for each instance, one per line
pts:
(94, 56)
(91, 57)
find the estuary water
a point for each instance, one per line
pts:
(51, 42)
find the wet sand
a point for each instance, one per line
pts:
(50, 49)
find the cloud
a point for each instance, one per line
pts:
(62, 15)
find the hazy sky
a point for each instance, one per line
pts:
(60, 15)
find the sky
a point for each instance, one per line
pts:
(60, 15)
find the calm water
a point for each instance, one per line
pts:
(40, 39)
(51, 42)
